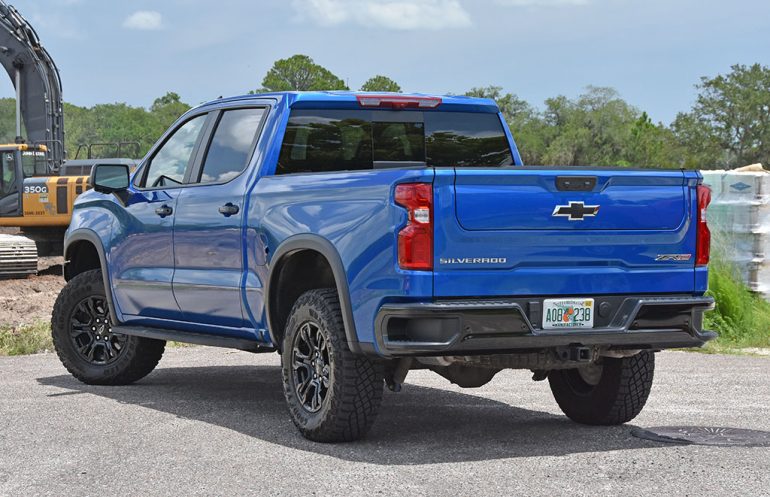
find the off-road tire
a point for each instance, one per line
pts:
(356, 382)
(617, 398)
(136, 360)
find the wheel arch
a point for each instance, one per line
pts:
(303, 250)
(83, 251)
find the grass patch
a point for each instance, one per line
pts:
(26, 339)
(741, 317)
(36, 338)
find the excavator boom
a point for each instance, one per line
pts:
(37, 82)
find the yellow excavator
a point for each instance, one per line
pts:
(37, 186)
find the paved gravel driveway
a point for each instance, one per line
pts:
(213, 422)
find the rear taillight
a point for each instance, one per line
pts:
(703, 235)
(415, 240)
(398, 101)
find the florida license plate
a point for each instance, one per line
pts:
(568, 313)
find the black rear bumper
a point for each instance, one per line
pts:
(469, 327)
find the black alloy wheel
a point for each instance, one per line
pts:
(91, 332)
(311, 366)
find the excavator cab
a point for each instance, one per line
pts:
(18, 161)
(10, 198)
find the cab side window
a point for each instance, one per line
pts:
(169, 164)
(8, 176)
(231, 145)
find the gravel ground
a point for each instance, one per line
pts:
(213, 422)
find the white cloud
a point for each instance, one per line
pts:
(388, 14)
(145, 20)
(541, 3)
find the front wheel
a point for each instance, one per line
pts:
(81, 326)
(333, 395)
(611, 392)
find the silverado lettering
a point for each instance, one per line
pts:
(473, 260)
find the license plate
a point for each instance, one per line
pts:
(568, 313)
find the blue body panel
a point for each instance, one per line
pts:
(141, 253)
(199, 271)
(504, 217)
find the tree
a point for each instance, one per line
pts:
(651, 145)
(731, 115)
(300, 73)
(165, 110)
(381, 83)
(119, 122)
(594, 129)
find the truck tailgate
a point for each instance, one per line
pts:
(542, 231)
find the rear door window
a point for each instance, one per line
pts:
(349, 140)
(231, 145)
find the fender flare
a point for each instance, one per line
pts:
(324, 247)
(85, 234)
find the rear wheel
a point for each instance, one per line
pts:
(333, 395)
(611, 392)
(81, 326)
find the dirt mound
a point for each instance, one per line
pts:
(31, 299)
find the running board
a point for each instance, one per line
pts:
(196, 338)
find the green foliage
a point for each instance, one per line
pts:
(729, 125)
(106, 123)
(121, 122)
(300, 73)
(597, 128)
(741, 317)
(26, 339)
(7, 120)
(36, 338)
(380, 83)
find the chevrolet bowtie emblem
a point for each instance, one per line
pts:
(575, 211)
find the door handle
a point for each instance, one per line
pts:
(229, 209)
(164, 211)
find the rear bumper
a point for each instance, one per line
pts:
(469, 327)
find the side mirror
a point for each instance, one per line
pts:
(109, 178)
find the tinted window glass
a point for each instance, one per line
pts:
(398, 142)
(231, 146)
(339, 140)
(34, 163)
(8, 176)
(168, 166)
(465, 139)
(318, 141)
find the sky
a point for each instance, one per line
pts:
(652, 51)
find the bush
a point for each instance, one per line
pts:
(741, 317)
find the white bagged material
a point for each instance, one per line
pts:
(739, 219)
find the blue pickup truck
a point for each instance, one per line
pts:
(364, 235)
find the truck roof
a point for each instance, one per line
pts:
(350, 99)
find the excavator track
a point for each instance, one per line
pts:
(18, 256)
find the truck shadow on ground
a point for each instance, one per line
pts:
(419, 425)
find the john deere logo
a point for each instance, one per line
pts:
(740, 186)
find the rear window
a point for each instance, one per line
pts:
(349, 140)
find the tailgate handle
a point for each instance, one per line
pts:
(575, 183)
